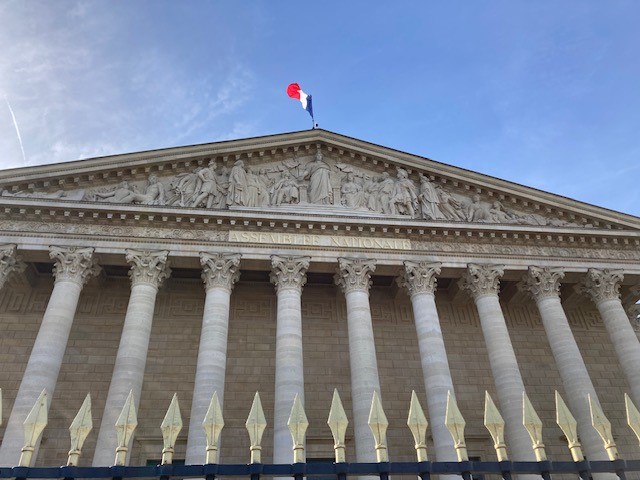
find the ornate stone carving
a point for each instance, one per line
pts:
(220, 269)
(316, 182)
(154, 193)
(420, 277)
(319, 174)
(148, 267)
(404, 200)
(482, 279)
(10, 262)
(429, 200)
(542, 282)
(633, 311)
(601, 285)
(74, 264)
(354, 274)
(289, 272)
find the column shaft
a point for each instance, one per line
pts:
(220, 272)
(483, 283)
(73, 267)
(148, 271)
(364, 370)
(289, 370)
(435, 369)
(288, 274)
(603, 287)
(573, 372)
(624, 341)
(420, 281)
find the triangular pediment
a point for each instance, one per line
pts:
(313, 173)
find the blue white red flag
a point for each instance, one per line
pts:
(294, 91)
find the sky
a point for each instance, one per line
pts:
(542, 93)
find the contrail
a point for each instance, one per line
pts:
(15, 124)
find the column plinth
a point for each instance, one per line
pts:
(420, 281)
(220, 272)
(603, 287)
(482, 282)
(73, 267)
(354, 277)
(288, 274)
(148, 270)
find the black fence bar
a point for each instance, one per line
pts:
(340, 470)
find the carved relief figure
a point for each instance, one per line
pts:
(371, 191)
(254, 187)
(476, 211)
(352, 194)
(121, 194)
(498, 214)
(285, 191)
(264, 184)
(208, 187)
(385, 190)
(154, 195)
(449, 205)
(404, 200)
(237, 194)
(429, 200)
(319, 174)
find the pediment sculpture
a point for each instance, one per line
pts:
(322, 183)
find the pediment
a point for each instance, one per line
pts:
(311, 173)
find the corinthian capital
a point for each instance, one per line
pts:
(420, 277)
(543, 282)
(148, 267)
(354, 274)
(482, 279)
(602, 285)
(289, 272)
(10, 262)
(220, 269)
(73, 264)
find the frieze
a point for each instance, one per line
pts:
(310, 180)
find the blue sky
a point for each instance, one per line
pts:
(543, 93)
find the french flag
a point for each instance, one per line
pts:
(294, 91)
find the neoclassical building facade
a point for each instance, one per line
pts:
(297, 263)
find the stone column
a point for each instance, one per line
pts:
(420, 281)
(482, 281)
(220, 271)
(603, 287)
(544, 286)
(148, 270)
(73, 267)
(288, 274)
(354, 277)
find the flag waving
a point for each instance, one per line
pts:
(294, 91)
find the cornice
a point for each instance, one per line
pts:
(83, 213)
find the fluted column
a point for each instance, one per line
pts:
(73, 267)
(288, 274)
(220, 271)
(544, 286)
(483, 281)
(603, 286)
(420, 281)
(148, 270)
(354, 277)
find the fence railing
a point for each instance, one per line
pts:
(298, 423)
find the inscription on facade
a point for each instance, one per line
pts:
(320, 240)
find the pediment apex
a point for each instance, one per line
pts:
(353, 177)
